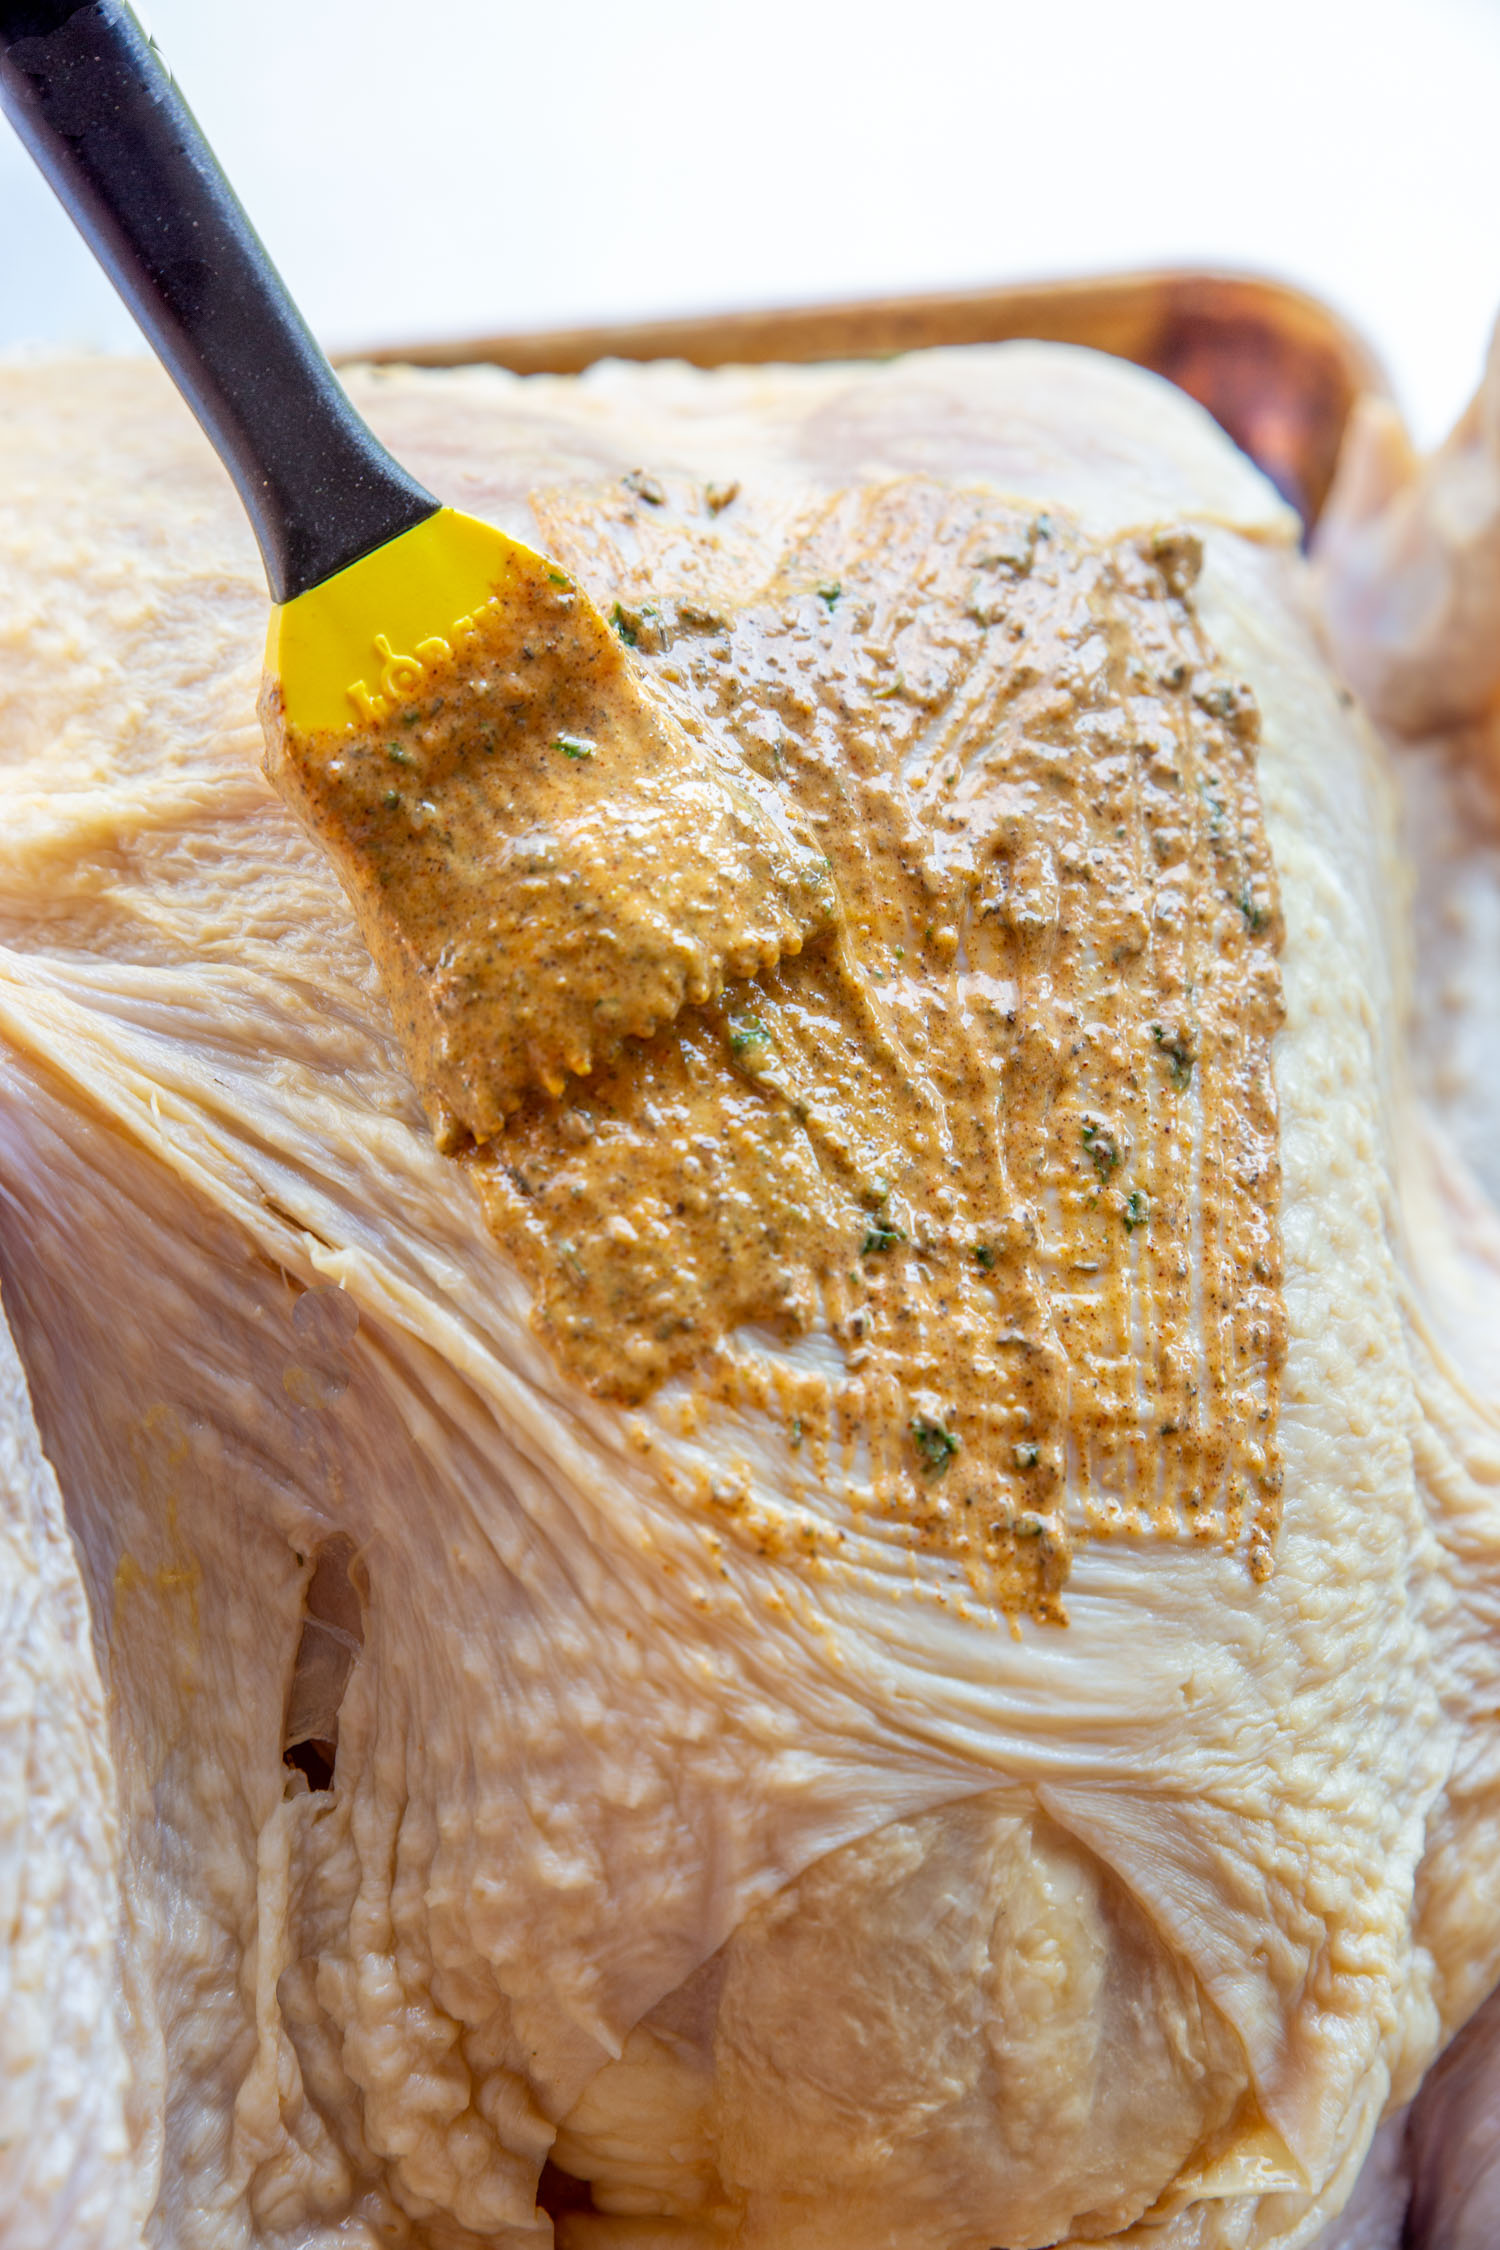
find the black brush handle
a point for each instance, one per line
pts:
(89, 96)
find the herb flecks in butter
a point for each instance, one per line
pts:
(936, 1444)
(1040, 1036)
(1033, 1240)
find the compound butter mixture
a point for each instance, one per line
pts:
(1005, 1133)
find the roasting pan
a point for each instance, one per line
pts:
(1277, 369)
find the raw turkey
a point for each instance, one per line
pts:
(504, 1761)
(1409, 569)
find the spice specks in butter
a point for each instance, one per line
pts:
(1010, 1143)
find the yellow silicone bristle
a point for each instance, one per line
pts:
(349, 652)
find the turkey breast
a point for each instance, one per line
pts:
(699, 1799)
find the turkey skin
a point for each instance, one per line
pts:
(843, 1686)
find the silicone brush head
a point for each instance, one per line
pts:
(545, 856)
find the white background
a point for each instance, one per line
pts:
(429, 167)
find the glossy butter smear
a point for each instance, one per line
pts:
(1006, 1139)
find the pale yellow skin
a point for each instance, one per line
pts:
(632, 1820)
(66, 2036)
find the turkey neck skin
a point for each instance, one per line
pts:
(1004, 1143)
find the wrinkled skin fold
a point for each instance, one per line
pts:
(769, 1885)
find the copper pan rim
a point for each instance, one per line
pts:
(1280, 370)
